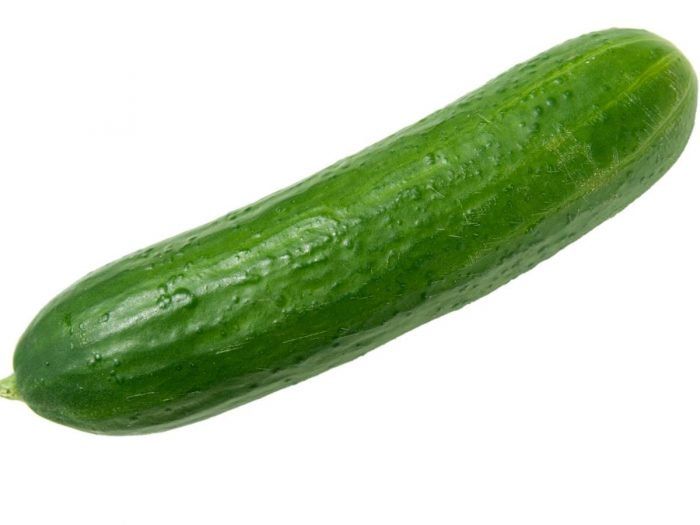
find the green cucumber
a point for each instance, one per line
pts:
(420, 224)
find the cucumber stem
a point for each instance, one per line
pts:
(8, 388)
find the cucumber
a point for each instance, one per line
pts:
(417, 225)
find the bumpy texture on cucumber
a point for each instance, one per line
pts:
(417, 225)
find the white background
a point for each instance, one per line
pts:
(570, 396)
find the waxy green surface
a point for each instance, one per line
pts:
(415, 226)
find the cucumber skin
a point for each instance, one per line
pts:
(417, 225)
